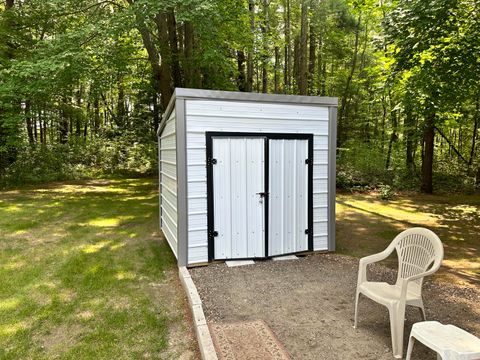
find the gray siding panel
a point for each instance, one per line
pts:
(168, 184)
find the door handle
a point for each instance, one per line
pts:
(263, 194)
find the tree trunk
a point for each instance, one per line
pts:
(35, 130)
(311, 62)
(265, 54)
(276, 80)
(249, 82)
(121, 111)
(429, 146)
(78, 112)
(198, 77)
(241, 70)
(46, 133)
(188, 54)
(474, 133)
(296, 59)
(96, 114)
(287, 72)
(477, 178)
(393, 138)
(409, 128)
(303, 70)
(40, 127)
(156, 112)
(63, 129)
(322, 68)
(342, 128)
(28, 119)
(181, 42)
(193, 77)
(173, 41)
(165, 86)
(161, 74)
(152, 57)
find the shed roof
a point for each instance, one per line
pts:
(183, 93)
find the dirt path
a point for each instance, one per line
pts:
(308, 303)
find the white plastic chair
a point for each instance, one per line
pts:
(420, 253)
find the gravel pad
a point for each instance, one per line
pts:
(308, 303)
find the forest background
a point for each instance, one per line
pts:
(83, 83)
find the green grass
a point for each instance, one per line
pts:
(366, 224)
(84, 273)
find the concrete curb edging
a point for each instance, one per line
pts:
(205, 343)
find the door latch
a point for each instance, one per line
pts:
(211, 161)
(263, 194)
(213, 233)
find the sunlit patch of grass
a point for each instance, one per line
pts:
(117, 246)
(9, 304)
(108, 222)
(12, 208)
(11, 329)
(125, 275)
(92, 248)
(76, 261)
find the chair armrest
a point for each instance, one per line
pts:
(375, 257)
(362, 266)
(413, 278)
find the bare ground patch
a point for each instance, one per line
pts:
(309, 305)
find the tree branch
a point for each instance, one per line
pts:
(451, 145)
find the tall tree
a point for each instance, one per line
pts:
(303, 60)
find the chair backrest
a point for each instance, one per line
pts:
(418, 250)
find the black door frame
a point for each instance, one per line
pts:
(209, 135)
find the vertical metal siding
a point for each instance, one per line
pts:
(238, 214)
(288, 211)
(168, 183)
(210, 115)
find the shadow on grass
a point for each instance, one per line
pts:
(366, 225)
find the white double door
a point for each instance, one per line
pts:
(260, 207)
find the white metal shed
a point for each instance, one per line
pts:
(246, 175)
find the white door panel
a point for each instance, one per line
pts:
(288, 187)
(238, 177)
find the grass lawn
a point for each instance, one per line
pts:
(85, 274)
(366, 224)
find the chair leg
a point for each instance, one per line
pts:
(411, 342)
(393, 330)
(357, 295)
(397, 324)
(422, 310)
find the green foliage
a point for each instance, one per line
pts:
(363, 164)
(123, 155)
(85, 82)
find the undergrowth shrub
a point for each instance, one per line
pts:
(386, 192)
(122, 155)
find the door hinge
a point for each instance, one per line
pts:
(308, 161)
(211, 161)
(307, 231)
(213, 233)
